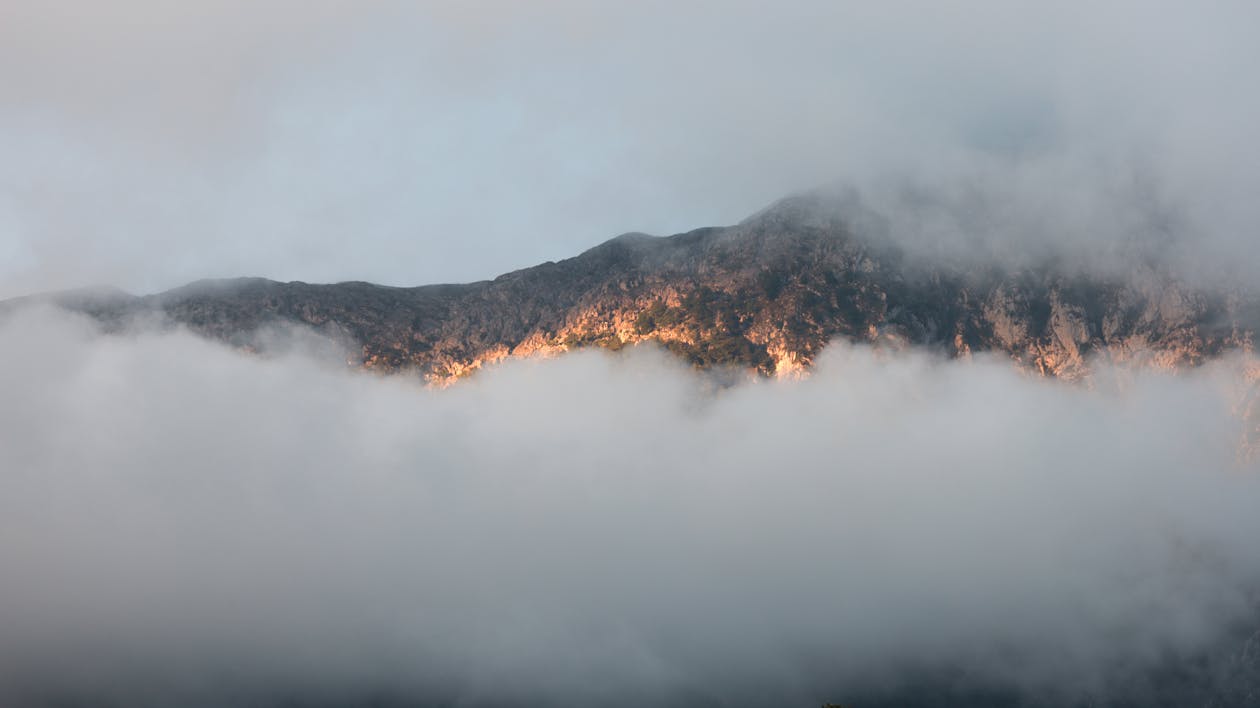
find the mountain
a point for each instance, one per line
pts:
(766, 294)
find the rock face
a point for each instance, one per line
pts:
(766, 294)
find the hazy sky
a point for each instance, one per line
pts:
(148, 143)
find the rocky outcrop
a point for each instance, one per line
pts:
(766, 295)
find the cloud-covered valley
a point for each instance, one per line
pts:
(184, 524)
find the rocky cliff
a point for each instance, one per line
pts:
(766, 295)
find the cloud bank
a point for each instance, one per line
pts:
(181, 524)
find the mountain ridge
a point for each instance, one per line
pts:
(766, 294)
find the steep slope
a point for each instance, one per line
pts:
(767, 294)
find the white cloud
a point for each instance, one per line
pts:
(181, 523)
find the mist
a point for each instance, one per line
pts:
(184, 524)
(149, 144)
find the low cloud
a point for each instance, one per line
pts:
(182, 524)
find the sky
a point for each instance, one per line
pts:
(147, 144)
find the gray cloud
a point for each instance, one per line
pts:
(148, 144)
(182, 524)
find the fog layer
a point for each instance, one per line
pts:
(183, 524)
